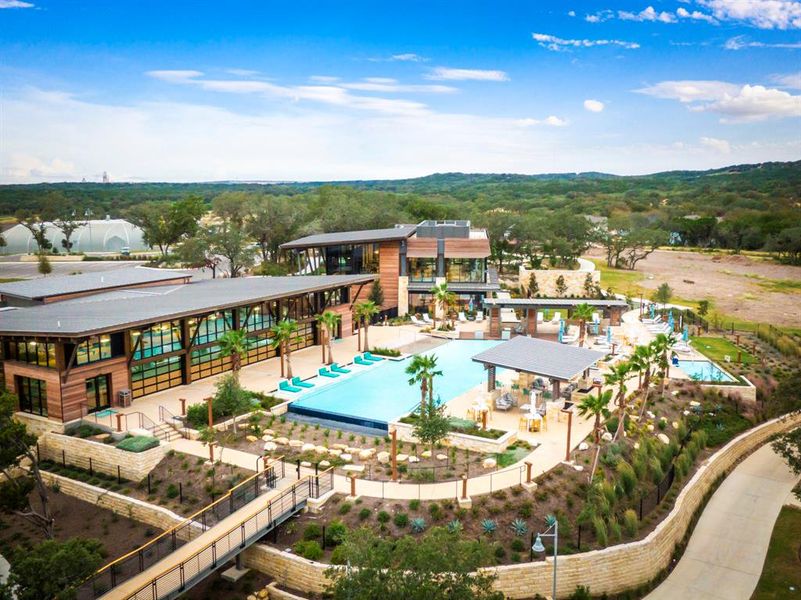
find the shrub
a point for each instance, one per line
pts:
(401, 520)
(615, 530)
(364, 514)
(454, 526)
(657, 474)
(385, 352)
(499, 552)
(581, 593)
(519, 527)
(172, 491)
(138, 443)
(518, 545)
(489, 526)
(599, 525)
(339, 556)
(414, 504)
(630, 522)
(628, 478)
(435, 510)
(383, 517)
(312, 531)
(344, 508)
(309, 549)
(335, 533)
(418, 525)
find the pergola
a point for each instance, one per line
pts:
(611, 307)
(558, 362)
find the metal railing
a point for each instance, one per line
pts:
(175, 422)
(133, 563)
(180, 577)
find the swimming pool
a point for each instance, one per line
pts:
(704, 370)
(375, 396)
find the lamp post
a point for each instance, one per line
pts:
(538, 546)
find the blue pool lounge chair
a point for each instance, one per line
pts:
(335, 368)
(301, 384)
(285, 387)
(361, 361)
(373, 357)
(326, 373)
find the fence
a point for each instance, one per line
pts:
(117, 421)
(236, 539)
(133, 563)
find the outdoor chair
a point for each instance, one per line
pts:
(372, 357)
(323, 372)
(416, 321)
(360, 361)
(427, 319)
(479, 316)
(462, 317)
(285, 386)
(297, 382)
(557, 316)
(335, 368)
(504, 402)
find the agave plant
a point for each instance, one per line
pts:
(519, 527)
(454, 526)
(418, 525)
(489, 526)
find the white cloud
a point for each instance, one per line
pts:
(552, 121)
(735, 103)
(387, 85)
(336, 95)
(242, 72)
(719, 145)
(647, 14)
(765, 14)
(446, 73)
(323, 79)
(551, 42)
(15, 4)
(695, 15)
(739, 42)
(408, 57)
(793, 80)
(571, 13)
(595, 106)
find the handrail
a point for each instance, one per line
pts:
(309, 481)
(167, 416)
(188, 522)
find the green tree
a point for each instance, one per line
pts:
(53, 569)
(330, 321)
(232, 243)
(436, 566)
(230, 399)
(376, 293)
(590, 288)
(232, 207)
(274, 220)
(443, 299)
(44, 267)
(165, 225)
(422, 370)
(533, 286)
(68, 223)
(703, 307)
(617, 376)
(499, 225)
(628, 241)
(561, 286)
(365, 311)
(583, 312)
(643, 361)
(663, 294)
(661, 347)
(788, 446)
(432, 426)
(234, 343)
(18, 446)
(37, 225)
(195, 253)
(284, 333)
(597, 407)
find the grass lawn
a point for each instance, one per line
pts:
(9, 279)
(782, 565)
(717, 348)
(621, 281)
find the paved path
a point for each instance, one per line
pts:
(727, 550)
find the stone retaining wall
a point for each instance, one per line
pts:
(37, 425)
(134, 466)
(546, 281)
(461, 440)
(745, 392)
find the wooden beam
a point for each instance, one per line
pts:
(65, 375)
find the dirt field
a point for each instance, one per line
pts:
(738, 286)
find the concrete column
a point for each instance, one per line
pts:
(555, 389)
(490, 378)
(495, 322)
(531, 325)
(403, 296)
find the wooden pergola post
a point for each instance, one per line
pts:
(394, 454)
(490, 378)
(569, 427)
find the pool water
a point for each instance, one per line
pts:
(704, 370)
(375, 396)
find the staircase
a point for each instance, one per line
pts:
(166, 432)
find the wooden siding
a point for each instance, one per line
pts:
(467, 248)
(73, 391)
(421, 247)
(389, 271)
(49, 376)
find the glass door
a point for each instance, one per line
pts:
(97, 393)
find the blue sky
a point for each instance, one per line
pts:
(260, 90)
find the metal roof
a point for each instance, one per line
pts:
(549, 302)
(45, 287)
(399, 232)
(129, 308)
(456, 287)
(541, 357)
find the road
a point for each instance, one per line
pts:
(727, 550)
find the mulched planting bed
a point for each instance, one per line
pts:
(76, 518)
(507, 518)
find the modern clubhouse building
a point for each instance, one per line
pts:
(408, 260)
(77, 344)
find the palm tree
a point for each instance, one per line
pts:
(442, 299)
(662, 345)
(583, 312)
(284, 333)
(643, 362)
(596, 406)
(329, 320)
(423, 369)
(618, 375)
(365, 311)
(234, 343)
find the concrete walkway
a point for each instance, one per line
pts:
(727, 550)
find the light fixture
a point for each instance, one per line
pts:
(538, 545)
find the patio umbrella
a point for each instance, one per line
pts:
(686, 335)
(609, 335)
(652, 309)
(470, 304)
(561, 330)
(671, 323)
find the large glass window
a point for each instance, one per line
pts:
(254, 318)
(465, 269)
(32, 395)
(94, 349)
(97, 393)
(161, 338)
(207, 361)
(351, 259)
(259, 349)
(305, 336)
(35, 353)
(211, 328)
(422, 269)
(155, 376)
